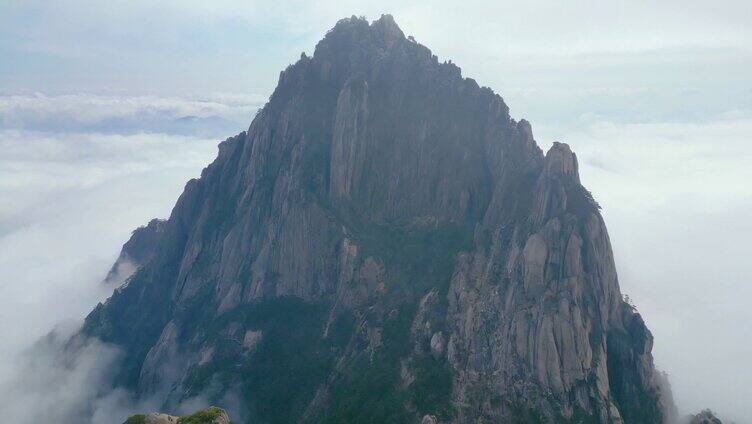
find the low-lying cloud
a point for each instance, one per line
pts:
(48, 384)
(203, 116)
(65, 379)
(674, 194)
(68, 201)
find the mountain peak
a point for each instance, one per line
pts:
(357, 33)
(388, 28)
(386, 22)
(561, 162)
(386, 19)
(384, 217)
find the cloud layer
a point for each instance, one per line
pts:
(206, 116)
(68, 200)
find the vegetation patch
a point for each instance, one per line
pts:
(136, 419)
(432, 389)
(207, 416)
(293, 358)
(368, 390)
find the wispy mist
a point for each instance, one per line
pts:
(68, 201)
(112, 114)
(48, 384)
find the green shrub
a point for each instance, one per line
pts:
(207, 416)
(136, 419)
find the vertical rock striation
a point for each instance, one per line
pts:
(385, 244)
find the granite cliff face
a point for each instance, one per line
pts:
(384, 244)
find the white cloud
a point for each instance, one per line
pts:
(209, 115)
(67, 203)
(46, 386)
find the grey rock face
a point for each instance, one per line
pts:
(546, 294)
(428, 419)
(388, 232)
(705, 417)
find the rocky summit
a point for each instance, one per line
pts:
(705, 417)
(383, 245)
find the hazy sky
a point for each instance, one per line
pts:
(655, 98)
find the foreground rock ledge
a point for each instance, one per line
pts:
(211, 415)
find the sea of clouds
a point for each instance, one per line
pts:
(79, 172)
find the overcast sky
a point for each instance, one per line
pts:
(107, 108)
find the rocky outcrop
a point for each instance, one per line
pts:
(385, 244)
(211, 415)
(705, 417)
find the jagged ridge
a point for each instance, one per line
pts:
(385, 244)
